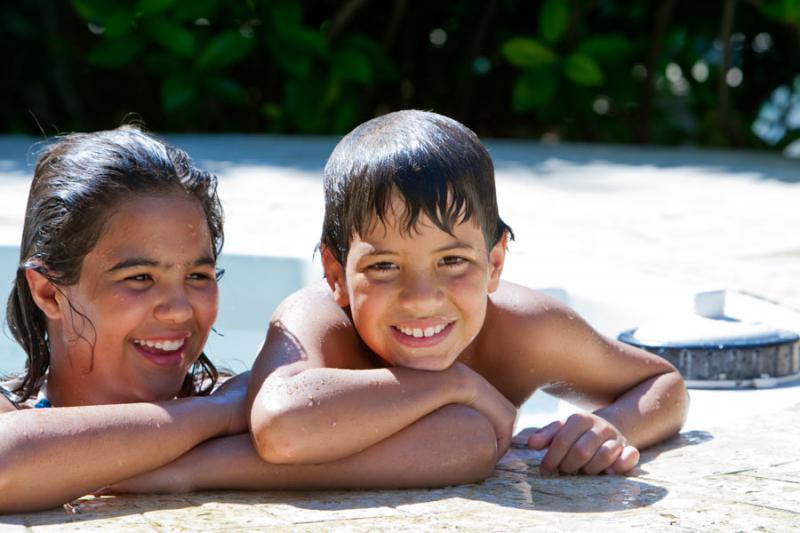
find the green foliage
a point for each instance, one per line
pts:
(195, 63)
(553, 18)
(613, 71)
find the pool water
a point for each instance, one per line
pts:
(253, 286)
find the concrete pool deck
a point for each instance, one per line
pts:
(610, 222)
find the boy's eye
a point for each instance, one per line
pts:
(452, 261)
(141, 278)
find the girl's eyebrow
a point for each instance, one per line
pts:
(147, 262)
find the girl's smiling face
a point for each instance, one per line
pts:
(419, 299)
(142, 309)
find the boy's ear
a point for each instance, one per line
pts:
(497, 258)
(334, 275)
(44, 294)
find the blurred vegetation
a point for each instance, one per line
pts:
(721, 73)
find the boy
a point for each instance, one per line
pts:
(414, 338)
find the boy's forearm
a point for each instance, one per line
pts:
(651, 411)
(51, 456)
(325, 414)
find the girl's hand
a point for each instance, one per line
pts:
(232, 393)
(586, 443)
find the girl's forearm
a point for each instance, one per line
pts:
(453, 445)
(51, 456)
(325, 414)
(651, 411)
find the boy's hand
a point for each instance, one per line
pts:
(487, 400)
(584, 442)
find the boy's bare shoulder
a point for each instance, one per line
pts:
(514, 306)
(312, 318)
(523, 329)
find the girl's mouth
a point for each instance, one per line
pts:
(161, 352)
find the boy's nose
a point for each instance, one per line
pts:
(174, 306)
(420, 291)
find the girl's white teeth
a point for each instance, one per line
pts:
(419, 332)
(167, 346)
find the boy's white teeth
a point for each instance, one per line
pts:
(167, 346)
(419, 332)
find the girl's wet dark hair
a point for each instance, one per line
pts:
(78, 183)
(435, 163)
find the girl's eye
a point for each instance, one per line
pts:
(383, 266)
(204, 276)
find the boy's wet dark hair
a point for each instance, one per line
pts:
(437, 165)
(78, 183)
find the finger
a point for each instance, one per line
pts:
(627, 460)
(541, 439)
(583, 451)
(604, 457)
(520, 440)
(561, 443)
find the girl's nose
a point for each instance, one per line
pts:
(174, 306)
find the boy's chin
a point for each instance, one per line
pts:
(431, 364)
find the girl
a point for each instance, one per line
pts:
(114, 297)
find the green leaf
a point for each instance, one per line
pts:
(344, 115)
(228, 89)
(177, 92)
(117, 24)
(287, 14)
(113, 53)
(582, 70)
(224, 49)
(553, 18)
(172, 36)
(528, 53)
(153, 7)
(351, 66)
(382, 66)
(534, 89)
(192, 10)
(95, 10)
(304, 39)
(296, 64)
(608, 48)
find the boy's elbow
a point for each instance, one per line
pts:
(274, 435)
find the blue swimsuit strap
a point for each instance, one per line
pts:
(43, 403)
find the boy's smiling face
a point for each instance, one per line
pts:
(417, 299)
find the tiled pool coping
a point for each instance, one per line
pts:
(730, 478)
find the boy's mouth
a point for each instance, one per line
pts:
(418, 333)
(420, 337)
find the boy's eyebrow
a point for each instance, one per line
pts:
(147, 262)
(456, 245)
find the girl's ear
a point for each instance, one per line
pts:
(334, 275)
(497, 258)
(44, 294)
